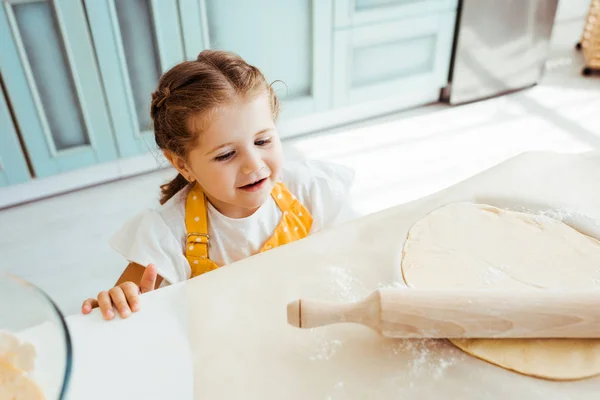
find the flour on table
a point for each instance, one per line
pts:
(342, 286)
(324, 348)
(423, 355)
(428, 357)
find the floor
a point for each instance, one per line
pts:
(60, 243)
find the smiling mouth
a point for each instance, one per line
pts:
(254, 185)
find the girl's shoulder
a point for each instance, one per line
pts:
(156, 235)
(173, 211)
(321, 186)
(170, 215)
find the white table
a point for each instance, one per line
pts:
(243, 348)
(146, 356)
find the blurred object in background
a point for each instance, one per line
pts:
(35, 345)
(590, 40)
(500, 47)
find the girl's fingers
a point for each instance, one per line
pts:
(148, 278)
(132, 294)
(88, 305)
(120, 302)
(125, 297)
(105, 304)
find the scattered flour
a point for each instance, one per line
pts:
(569, 217)
(338, 391)
(414, 360)
(324, 348)
(427, 357)
(580, 221)
(343, 286)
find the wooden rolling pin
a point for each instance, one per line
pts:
(418, 313)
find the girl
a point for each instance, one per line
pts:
(214, 120)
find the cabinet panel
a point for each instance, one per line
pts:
(194, 25)
(236, 28)
(13, 166)
(140, 50)
(40, 36)
(392, 59)
(48, 65)
(298, 54)
(136, 40)
(396, 60)
(363, 12)
(361, 5)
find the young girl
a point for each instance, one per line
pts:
(214, 120)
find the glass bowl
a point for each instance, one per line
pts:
(35, 345)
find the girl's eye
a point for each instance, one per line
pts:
(224, 157)
(262, 142)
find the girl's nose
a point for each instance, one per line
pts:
(252, 164)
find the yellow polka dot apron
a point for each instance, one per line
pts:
(295, 224)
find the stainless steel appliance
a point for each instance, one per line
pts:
(500, 46)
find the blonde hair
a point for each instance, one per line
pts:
(196, 88)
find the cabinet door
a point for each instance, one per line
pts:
(400, 59)
(289, 41)
(136, 40)
(364, 12)
(194, 25)
(13, 166)
(49, 69)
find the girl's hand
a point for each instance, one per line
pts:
(124, 297)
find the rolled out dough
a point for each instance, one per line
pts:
(480, 246)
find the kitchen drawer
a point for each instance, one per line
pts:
(392, 59)
(351, 13)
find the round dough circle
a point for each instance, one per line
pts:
(480, 246)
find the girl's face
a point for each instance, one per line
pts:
(238, 156)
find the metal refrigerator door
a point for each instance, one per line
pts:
(501, 47)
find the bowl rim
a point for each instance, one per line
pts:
(64, 326)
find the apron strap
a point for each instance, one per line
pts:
(296, 221)
(197, 239)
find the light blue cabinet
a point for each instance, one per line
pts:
(194, 25)
(51, 78)
(136, 40)
(290, 41)
(393, 59)
(78, 74)
(351, 13)
(13, 166)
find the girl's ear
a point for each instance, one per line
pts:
(179, 164)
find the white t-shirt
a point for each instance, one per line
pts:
(158, 235)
